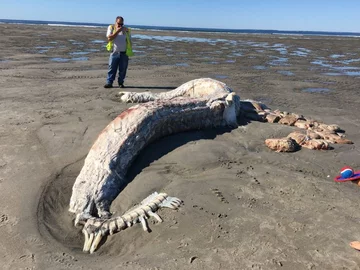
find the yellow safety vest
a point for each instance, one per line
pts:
(129, 51)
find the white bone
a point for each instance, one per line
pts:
(113, 227)
(144, 224)
(156, 216)
(171, 202)
(86, 234)
(96, 242)
(87, 244)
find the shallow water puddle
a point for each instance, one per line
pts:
(59, 59)
(138, 51)
(337, 55)
(347, 71)
(257, 44)
(182, 65)
(316, 90)
(302, 52)
(346, 62)
(63, 60)
(79, 53)
(97, 41)
(80, 58)
(299, 53)
(282, 51)
(279, 61)
(332, 74)
(44, 47)
(176, 39)
(351, 73)
(285, 72)
(259, 67)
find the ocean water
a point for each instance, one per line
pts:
(187, 29)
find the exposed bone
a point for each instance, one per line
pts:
(156, 216)
(88, 241)
(96, 241)
(198, 104)
(254, 111)
(87, 236)
(260, 112)
(98, 228)
(108, 160)
(198, 88)
(144, 223)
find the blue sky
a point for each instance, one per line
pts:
(310, 15)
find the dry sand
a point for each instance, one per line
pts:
(245, 207)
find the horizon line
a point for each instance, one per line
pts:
(189, 27)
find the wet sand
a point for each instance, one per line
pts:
(245, 207)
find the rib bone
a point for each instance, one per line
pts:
(96, 228)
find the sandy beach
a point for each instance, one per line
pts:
(245, 206)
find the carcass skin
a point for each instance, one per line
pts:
(106, 165)
(282, 145)
(198, 104)
(119, 143)
(198, 88)
(318, 137)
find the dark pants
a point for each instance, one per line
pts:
(117, 61)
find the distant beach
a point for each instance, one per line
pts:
(187, 29)
(245, 207)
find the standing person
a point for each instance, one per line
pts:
(117, 36)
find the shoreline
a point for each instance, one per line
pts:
(177, 29)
